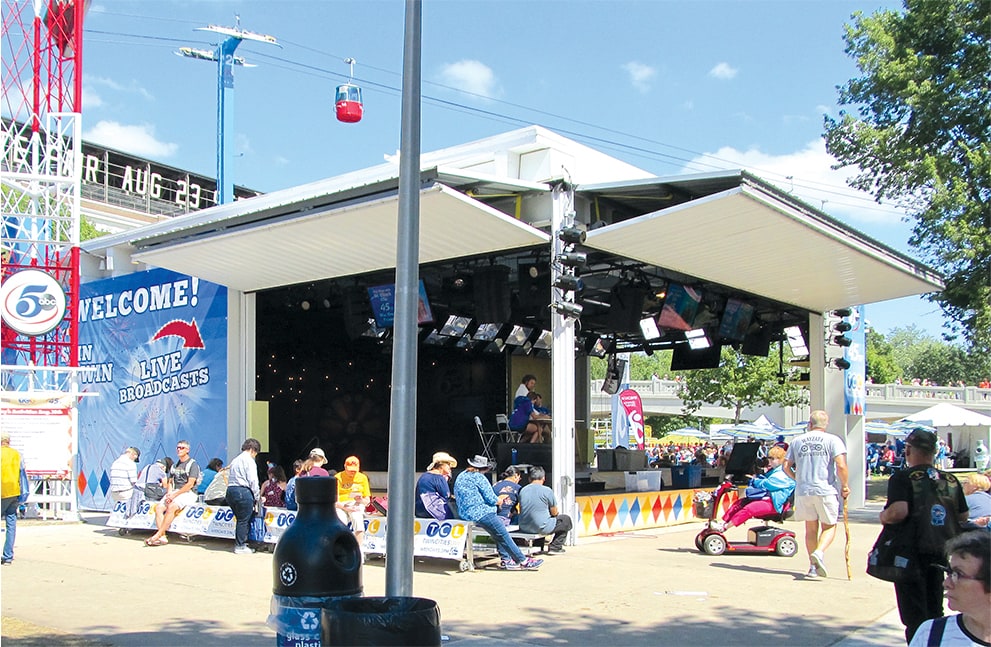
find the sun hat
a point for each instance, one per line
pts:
(442, 457)
(316, 452)
(479, 461)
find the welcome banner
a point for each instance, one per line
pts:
(157, 342)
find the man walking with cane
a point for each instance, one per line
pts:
(817, 460)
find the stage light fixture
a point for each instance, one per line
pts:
(567, 282)
(519, 335)
(842, 326)
(544, 340)
(598, 346)
(841, 363)
(572, 259)
(697, 339)
(455, 326)
(568, 309)
(842, 340)
(842, 312)
(796, 340)
(572, 235)
(649, 328)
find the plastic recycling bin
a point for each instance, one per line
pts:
(686, 477)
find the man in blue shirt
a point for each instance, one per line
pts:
(538, 511)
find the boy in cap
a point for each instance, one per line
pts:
(353, 494)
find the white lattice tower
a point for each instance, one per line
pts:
(40, 174)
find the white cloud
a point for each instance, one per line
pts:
(137, 140)
(723, 70)
(808, 174)
(471, 76)
(91, 99)
(640, 75)
(104, 82)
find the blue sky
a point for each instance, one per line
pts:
(671, 87)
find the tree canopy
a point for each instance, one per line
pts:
(921, 137)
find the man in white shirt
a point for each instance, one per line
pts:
(243, 491)
(124, 477)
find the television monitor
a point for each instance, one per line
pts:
(757, 343)
(680, 307)
(455, 326)
(487, 331)
(685, 358)
(544, 341)
(383, 300)
(736, 320)
(518, 335)
(796, 340)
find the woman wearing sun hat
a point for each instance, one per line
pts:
(433, 488)
(477, 502)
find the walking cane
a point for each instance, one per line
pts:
(846, 549)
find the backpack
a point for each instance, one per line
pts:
(934, 509)
(216, 492)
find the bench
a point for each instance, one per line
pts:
(529, 543)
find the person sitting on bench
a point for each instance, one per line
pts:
(538, 511)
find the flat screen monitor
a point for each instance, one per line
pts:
(383, 300)
(685, 358)
(680, 307)
(487, 331)
(455, 326)
(736, 320)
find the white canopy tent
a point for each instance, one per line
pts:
(961, 427)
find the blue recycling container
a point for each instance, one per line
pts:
(686, 477)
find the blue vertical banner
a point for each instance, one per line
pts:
(855, 377)
(157, 344)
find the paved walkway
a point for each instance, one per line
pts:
(82, 584)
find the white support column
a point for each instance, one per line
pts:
(562, 369)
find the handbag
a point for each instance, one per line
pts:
(892, 558)
(216, 492)
(154, 492)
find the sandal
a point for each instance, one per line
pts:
(161, 541)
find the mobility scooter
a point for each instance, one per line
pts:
(765, 538)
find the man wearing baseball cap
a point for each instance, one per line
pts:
(933, 505)
(353, 494)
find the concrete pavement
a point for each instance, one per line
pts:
(82, 584)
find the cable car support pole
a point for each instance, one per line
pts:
(402, 419)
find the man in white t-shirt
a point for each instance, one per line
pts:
(816, 460)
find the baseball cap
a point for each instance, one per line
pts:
(137, 453)
(922, 439)
(351, 464)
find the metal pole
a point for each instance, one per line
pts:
(218, 198)
(402, 426)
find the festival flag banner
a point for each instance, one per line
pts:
(633, 409)
(855, 377)
(157, 344)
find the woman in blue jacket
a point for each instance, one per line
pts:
(766, 495)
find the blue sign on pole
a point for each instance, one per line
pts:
(855, 377)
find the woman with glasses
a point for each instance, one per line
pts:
(967, 585)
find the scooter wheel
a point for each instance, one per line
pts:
(714, 545)
(786, 547)
(698, 542)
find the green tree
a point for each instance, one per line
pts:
(89, 231)
(882, 367)
(922, 356)
(740, 382)
(921, 137)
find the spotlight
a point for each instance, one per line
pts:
(568, 309)
(572, 235)
(842, 340)
(567, 282)
(842, 312)
(572, 259)
(841, 363)
(649, 328)
(305, 305)
(697, 339)
(842, 326)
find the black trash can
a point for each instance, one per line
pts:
(381, 621)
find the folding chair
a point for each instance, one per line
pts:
(487, 438)
(507, 434)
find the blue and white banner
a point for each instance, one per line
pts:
(855, 377)
(157, 342)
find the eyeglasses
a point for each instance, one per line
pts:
(955, 575)
(182, 447)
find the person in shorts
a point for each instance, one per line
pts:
(817, 460)
(182, 492)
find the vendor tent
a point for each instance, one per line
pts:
(961, 427)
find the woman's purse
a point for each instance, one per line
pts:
(216, 492)
(892, 558)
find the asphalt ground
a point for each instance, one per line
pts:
(82, 584)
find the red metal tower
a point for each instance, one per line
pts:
(40, 173)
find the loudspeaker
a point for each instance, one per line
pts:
(626, 308)
(492, 294)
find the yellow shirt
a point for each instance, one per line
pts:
(10, 472)
(346, 479)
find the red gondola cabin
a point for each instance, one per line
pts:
(349, 108)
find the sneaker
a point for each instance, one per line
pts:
(243, 550)
(818, 565)
(509, 565)
(556, 549)
(718, 526)
(812, 572)
(531, 564)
